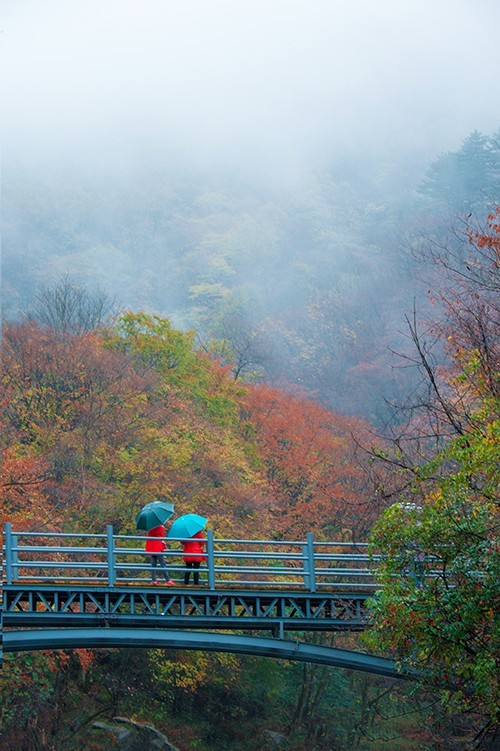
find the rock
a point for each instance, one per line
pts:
(132, 736)
(276, 739)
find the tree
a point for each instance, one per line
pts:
(317, 481)
(69, 408)
(242, 344)
(440, 570)
(71, 308)
(438, 609)
(466, 179)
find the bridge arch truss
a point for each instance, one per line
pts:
(39, 639)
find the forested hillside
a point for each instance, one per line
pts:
(302, 277)
(96, 423)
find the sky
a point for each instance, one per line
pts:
(245, 80)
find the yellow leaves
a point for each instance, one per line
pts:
(190, 671)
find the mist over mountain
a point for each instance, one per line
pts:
(254, 170)
(278, 81)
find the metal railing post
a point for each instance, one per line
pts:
(210, 559)
(15, 557)
(111, 556)
(8, 553)
(305, 566)
(309, 549)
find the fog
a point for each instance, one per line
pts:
(249, 169)
(244, 82)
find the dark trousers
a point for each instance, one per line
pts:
(158, 559)
(195, 565)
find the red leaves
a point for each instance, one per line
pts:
(91, 432)
(22, 478)
(309, 456)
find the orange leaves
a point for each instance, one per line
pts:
(85, 657)
(72, 405)
(491, 239)
(95, 427)
(316, 483)
(22, 499)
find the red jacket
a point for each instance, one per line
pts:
(193, 548)
(154, 545)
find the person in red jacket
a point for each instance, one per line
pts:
(155, 547)
(193, 555)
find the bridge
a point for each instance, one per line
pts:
(74, 590)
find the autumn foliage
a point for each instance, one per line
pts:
(316, 480)
(96, 425)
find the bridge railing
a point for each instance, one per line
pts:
(115, 560)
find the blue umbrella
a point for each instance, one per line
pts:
(187, 525)
(153, 514)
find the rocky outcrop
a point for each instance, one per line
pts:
(132, 736)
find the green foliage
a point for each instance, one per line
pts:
(440, 570)
(182, 677)
(153, 343)
(27, 684)
(467, 178)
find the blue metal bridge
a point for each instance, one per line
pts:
(62, 591)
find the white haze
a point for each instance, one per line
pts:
(245, 81)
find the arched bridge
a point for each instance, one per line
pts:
(63, 591)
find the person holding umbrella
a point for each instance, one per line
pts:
(194, 554)
(190, 528)
(156, 547)
(151, 519)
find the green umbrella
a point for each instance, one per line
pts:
(153, 514)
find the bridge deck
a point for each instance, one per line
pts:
(76, 606)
